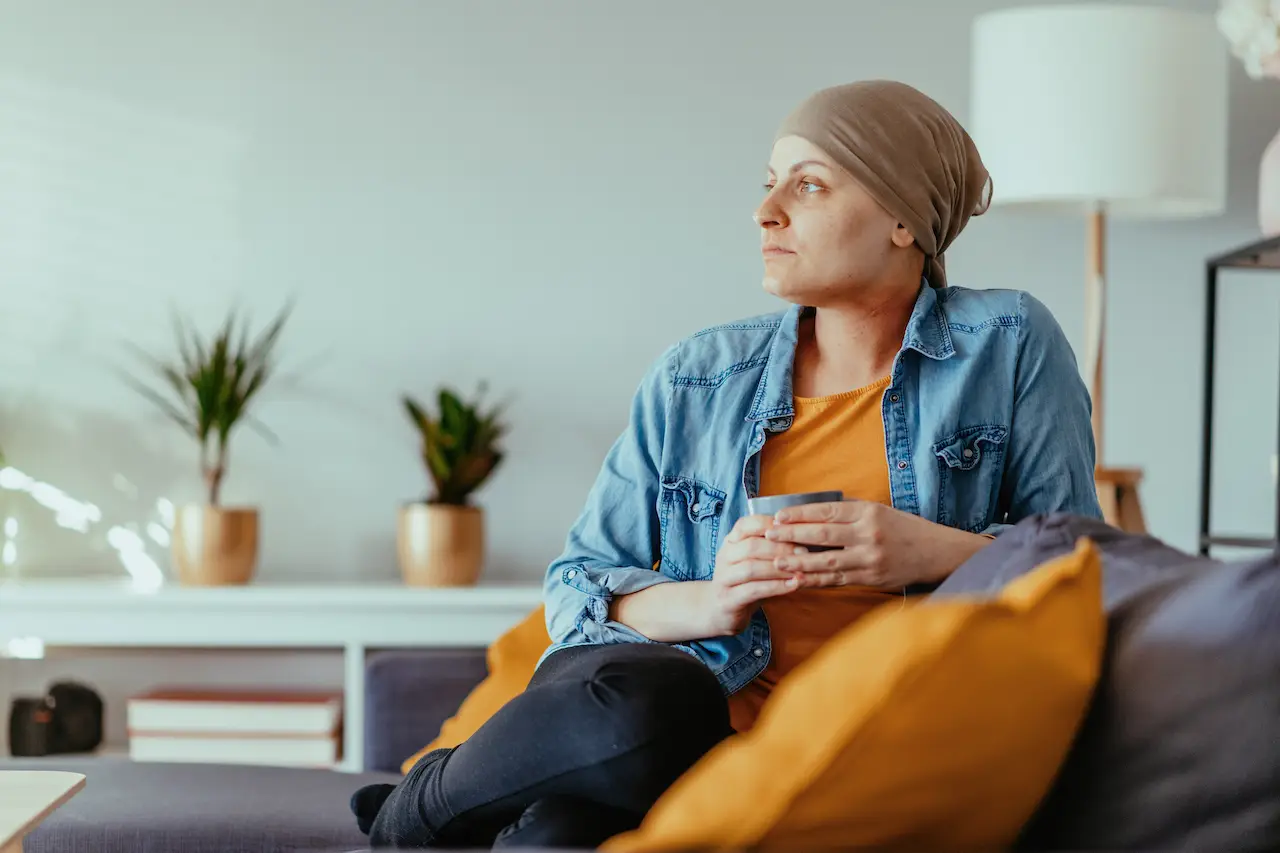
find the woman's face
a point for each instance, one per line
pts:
(824, 238)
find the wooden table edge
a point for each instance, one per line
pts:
(13, 844)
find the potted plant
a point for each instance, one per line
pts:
(440, 540)
(208, 390)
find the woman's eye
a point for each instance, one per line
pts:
(802, 186)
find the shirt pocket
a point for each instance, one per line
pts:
(690, 514)
(970, 467)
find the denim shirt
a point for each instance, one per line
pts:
(986, 422)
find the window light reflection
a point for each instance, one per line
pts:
(80, 516)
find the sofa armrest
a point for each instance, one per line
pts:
(409, 695)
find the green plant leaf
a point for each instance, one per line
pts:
(416, 413)
(451, 412)
(261, 429)
(179, 417)
(210, 386)
(459, 446)
(261, 350)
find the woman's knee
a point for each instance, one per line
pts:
(661, 691)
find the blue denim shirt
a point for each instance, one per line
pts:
(986, 421)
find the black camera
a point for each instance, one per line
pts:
(67, 719)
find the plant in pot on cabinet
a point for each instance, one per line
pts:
(208, 391)
(441, 540)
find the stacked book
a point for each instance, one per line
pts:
(223, 726)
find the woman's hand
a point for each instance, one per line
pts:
(695, 610)
(746, 573)
(873, 545)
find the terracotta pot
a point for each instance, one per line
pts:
(440, 545)
(1269, 189)
(215, 546)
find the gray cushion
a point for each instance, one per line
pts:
(128, 807)
(408, 696)
(1181, 746)
(1131, 563)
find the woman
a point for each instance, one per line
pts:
(942, 414)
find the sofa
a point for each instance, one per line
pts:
(130, 807)
(1180, 748)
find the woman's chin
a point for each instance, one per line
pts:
(788, 291)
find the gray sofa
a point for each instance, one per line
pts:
(128, 807)
(1180, 750)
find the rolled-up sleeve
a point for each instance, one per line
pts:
(613, 546)
(1050, 464)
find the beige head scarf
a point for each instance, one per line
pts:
(907, 151)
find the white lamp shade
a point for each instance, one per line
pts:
(1124, 107)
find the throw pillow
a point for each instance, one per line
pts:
(1131, 563)
(1178, 748)
(511, 660)
(931, 726)
(1181, 749)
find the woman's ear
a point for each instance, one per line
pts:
(902, 237)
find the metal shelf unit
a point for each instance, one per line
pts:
(1262, 255)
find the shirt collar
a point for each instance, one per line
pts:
(926, 333)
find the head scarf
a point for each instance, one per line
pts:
(909, 153)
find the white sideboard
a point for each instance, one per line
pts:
(352, 618)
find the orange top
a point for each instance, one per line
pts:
(834, 442)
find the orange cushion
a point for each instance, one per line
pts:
(511, 660)
(936, 725)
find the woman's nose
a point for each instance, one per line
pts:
(769, 214)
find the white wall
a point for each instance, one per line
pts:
(541, 195)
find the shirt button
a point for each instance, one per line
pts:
(758, 652)
(893, 398)
(968, 453)
(696, 508)
(570, 575)
(902, 466)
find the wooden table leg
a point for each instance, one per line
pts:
(1118, 496)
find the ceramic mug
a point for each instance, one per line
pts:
(770, 504)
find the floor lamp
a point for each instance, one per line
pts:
(1105, 112)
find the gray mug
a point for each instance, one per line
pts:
(770, 504)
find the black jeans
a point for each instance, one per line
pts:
(579, 756)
